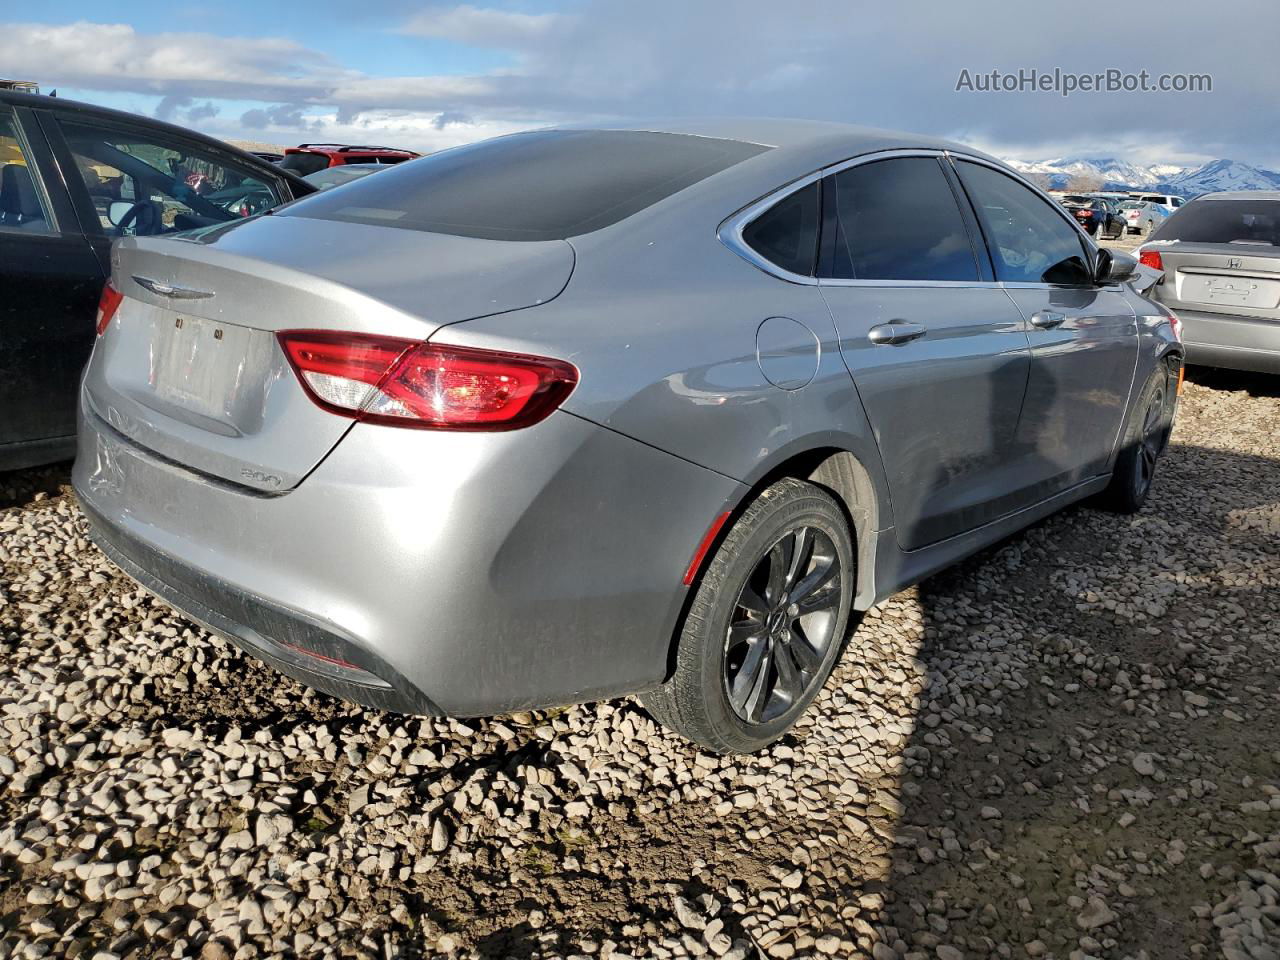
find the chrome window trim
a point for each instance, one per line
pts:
(731, 230)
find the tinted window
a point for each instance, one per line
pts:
(21, 206)
(546, 185)
(1224, 221)
(142, 182)
(304, 163)
(898, 220)
(787, 233)
(1030, 242)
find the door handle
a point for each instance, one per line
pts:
(1046, 319)
(896, 331)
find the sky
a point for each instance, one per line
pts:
(428, 75)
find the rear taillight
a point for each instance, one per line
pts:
(408, 383)
(108, 304)
(1151, 258)
(1176, 324)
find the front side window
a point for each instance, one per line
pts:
(1030, 242)
(544, 185)
(787, 233)
(21, 206)
(144, 184)
(898, 220)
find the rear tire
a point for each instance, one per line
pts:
(766, 625)
(1145, 437)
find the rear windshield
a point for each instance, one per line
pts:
(1225, 221)
(304, 163)
(545, 185)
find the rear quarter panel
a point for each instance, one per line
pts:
(661, 320)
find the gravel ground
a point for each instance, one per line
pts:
(1066, 747)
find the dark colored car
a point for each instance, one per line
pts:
(268, 156)
(309, 157)
(73, 178)
(1099, 216)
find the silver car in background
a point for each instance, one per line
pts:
(572, 414)
(1220, 255)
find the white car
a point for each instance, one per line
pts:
(1166, 200)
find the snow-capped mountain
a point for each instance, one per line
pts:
(1110, 173)
(1223, 175)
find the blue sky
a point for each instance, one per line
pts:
(433, 74)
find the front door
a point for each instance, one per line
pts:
(937, 350)
(1084, 337)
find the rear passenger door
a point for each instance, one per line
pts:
(1084, 337)
(937, 350)
(52, 281)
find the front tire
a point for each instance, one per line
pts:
(766, 624)
(1145, 437)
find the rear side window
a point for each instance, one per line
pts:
(1225, 221)
(545, 185)
(787, 233)
(21, 205)
(898, 220)
(304, 163)
(1029, 240)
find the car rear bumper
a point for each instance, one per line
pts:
(452, 573)
(1225, 340)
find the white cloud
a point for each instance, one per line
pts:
(104, 56)
(484, 27)
(882, 65)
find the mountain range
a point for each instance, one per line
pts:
(1115, 174)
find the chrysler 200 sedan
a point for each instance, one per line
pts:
(578, 413)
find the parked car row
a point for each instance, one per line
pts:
(1111, 215)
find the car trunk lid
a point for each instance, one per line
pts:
(1234, 278)
(191, 369)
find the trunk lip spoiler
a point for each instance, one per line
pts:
(173, 291)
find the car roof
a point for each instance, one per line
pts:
(785, 134)
(1242, 195)
(343, 148)
(39, 101)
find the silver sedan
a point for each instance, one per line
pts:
(1220, 255)
(579, 413)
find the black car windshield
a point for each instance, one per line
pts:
(545, 185)
(1225, 221)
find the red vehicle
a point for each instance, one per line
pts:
(309, 157)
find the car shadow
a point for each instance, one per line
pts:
(1219, 378)
(1049, 663)
(21, 487)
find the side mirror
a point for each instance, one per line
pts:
(1113, 267)
(117, 210)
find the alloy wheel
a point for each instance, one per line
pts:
(782, 626)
